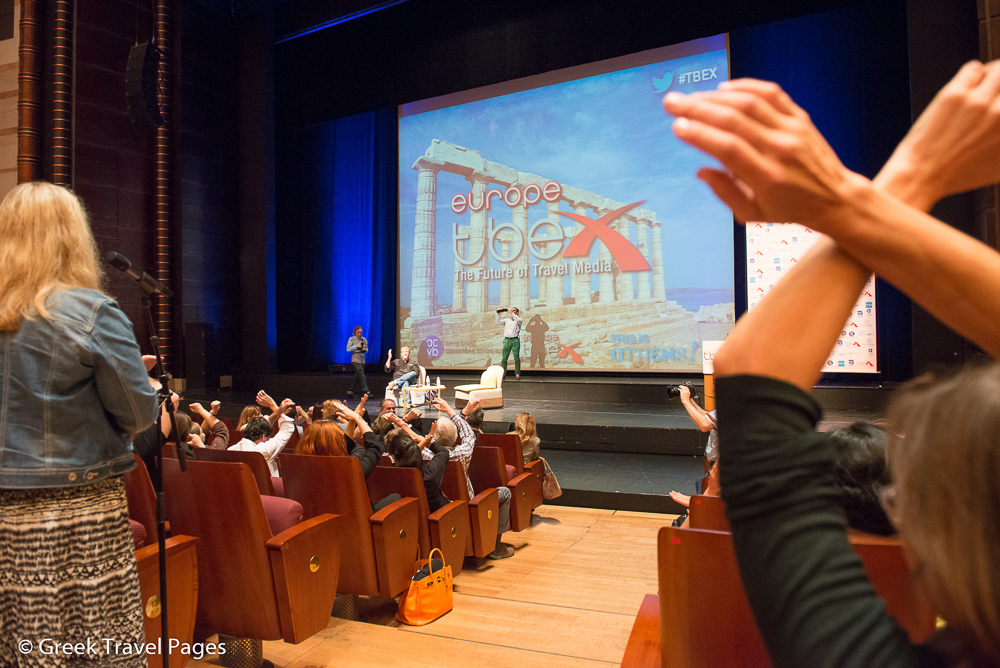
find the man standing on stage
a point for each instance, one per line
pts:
(511, 338)
(357, 345)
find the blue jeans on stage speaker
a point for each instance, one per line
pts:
(404, 381)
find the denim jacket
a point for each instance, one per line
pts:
(73, 390)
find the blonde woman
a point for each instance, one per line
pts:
(808, 591)
(73, 390)
(248, 413)
(524, 427)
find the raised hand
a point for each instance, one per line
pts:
(955, 144)
(285, 405)
(197, 408)
(266, 401)
(781, 168)
(441, 405)
(149, 361)
(361, 404)
(215, 407)
(390, 353)
(414, 414)
(685, 392)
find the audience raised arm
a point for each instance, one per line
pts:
(821, 610)
(216, 432)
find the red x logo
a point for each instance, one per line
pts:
(628, 256)
(568, 350)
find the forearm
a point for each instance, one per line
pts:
(947, 272)
(801, 317)
(696, 413)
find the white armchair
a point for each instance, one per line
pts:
(415, 397)
(489, 390)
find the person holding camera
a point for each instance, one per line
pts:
(511, 338)
(704, 420)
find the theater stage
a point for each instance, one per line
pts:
(613, 442)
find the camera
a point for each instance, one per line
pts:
(674, 391)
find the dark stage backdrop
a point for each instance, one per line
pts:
(335, 257)
(336, 240)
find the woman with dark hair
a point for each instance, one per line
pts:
(407, 452)
(74, 389)
(808, 591)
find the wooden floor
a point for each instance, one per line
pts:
(567, 598)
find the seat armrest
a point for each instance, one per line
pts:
(485, 517)
(450, 530)
(396, 530)
(537, 469)
(521, 495)
(305, 563)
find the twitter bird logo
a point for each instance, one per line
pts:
(663, 83)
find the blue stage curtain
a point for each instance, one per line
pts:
(336, 241)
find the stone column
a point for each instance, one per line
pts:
(580, 282)
(554, 285)
(607, 280)
(624, 279)
(476, 290)
(659, 290)
(458, 287)
(519, 287)
(504, 281)
(422, 283)
(642, 228)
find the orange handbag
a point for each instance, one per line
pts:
(429, 595)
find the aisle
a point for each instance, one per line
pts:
(566, 599)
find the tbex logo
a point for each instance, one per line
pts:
(625, 254)
(662, 85)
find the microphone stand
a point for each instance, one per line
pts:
(163, 394)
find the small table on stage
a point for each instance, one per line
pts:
(419, 388)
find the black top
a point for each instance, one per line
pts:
(433, 474)
(369, 454)
(808, 590)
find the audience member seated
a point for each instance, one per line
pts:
(809, 595)
(455, 434)
(412, 417)
(327, 438)
(248, 413)
(527, 432)
(861, 472)
(216, 434)
(407, 452)
(257, 438)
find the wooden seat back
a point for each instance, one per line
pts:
(487, 468)
(484, 517)
(141, 498)
(707, 512)
(182, 595)
(509, 445)
(405, 481)
(705, 619)
(337, 485)
(254, 460)
(251, 584)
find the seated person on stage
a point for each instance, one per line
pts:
(527, 433)
(455, 434)
(407, 452)
(404, 370)
(257, 438)
(808, 591)
(216, 433)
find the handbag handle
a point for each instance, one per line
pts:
(430, 560)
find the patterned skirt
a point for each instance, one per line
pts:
(69, 590)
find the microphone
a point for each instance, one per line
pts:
(146, 282)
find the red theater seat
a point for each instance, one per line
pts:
(377, 551)
(252, 584)
(707, 512)
(486, 469)
(484, 510)
(446, 529)
(510, 445)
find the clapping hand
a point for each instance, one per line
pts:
(414, 414)
(266, 401)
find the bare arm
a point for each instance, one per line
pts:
(695, 412)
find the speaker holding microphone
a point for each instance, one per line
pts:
(141, 77)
